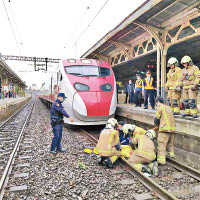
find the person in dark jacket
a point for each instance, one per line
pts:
(56, 114)
(126, 91)
(131, 91)
(138, 90)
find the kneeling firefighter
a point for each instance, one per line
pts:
(108, 143)
(143, 152)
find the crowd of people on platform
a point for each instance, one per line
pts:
(137, 145)
(180, 83)
(9, 94)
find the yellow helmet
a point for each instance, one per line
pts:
(151, 134)
(186, 59)
(128, 128)
(172, 61)
(113, 122)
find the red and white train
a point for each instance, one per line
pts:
(90, 88)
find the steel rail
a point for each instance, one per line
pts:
(13, 115)
(189, 170)
(150, 184)
(12, 156)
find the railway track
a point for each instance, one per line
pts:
(176, 180)
(14, 149)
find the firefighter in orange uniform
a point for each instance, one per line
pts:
(143, 153)
(108, 146)
(133, 130)
(190, 86)
(164, 119)
(173, 85)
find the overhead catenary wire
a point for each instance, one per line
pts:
(11, 27)
(93, 19)
(15, 22)
(81, 19)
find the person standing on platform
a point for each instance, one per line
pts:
(138, 90)
(165, 122)
(126, 91)
(190, 79)
(131, 91)
(148, 90)
(57, 112)
(173, 85)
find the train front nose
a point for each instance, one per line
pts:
(92, 104)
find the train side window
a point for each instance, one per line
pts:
(61, 77)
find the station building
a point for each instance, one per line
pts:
(10, 82)
(148, 37)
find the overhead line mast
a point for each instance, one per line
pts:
(34, 59)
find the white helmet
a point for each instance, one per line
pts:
(172, 61)
(187, 59)
(128, 128)
(113, 122)
(151, 134)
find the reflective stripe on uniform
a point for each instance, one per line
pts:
(167, 127)
(138, 167)
(149, 154)
(149, 85)
(161, 159)
(109, 145)
(139, 84)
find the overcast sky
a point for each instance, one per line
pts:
(52, 28)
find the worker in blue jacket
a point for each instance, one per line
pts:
(57, 112)
(124, 138)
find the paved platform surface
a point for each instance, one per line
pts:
(186, 125)
(5, 103)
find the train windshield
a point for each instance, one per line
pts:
(88, 70)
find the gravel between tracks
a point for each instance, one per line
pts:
(71, 175)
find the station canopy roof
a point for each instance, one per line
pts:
(7, 72)
(155, 13)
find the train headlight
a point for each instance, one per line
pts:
(81, 87)
(106, 87)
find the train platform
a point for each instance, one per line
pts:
(5, 103)
(9, 105)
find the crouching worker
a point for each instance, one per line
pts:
(107, 146)
(143, 153)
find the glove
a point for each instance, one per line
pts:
(131, 144)
(118, 146)
(194, 88)
(156, 121)
(178, 89)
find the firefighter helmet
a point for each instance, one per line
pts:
(151, 134)
(128, 128)
(113, 122)
(187, 59)
(172, 61)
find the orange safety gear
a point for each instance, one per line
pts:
(165, 115)
(139, 131)
(166, 129)
(139, 84)
(173, 85)
(190, 90)
(149, 86)
(145, 148)
(106, 143)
